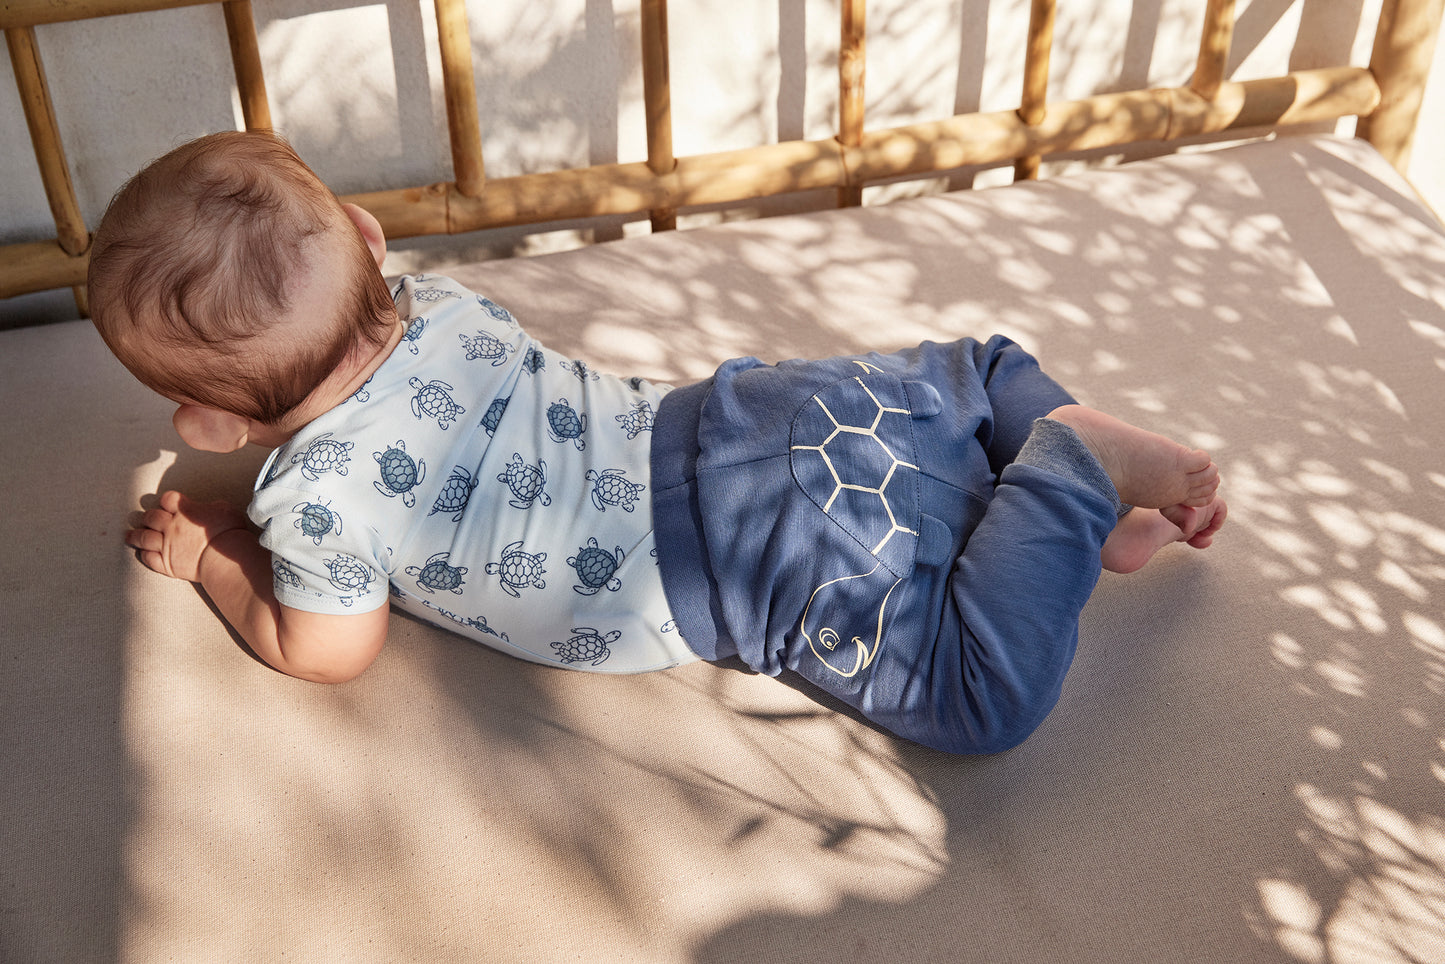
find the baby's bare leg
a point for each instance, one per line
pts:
(1147, 470)
(1143, 532)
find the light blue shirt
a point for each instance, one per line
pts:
(489, 485)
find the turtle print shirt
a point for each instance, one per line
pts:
(488, 484)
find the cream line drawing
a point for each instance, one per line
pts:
(828, 637)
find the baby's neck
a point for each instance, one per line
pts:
(358, 367)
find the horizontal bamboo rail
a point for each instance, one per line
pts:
(33, 13)
(733, 176)
(1386, 96)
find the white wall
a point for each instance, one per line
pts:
(356, 87)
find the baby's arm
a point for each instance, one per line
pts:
(213, 544)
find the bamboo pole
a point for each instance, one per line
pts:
(1214, 44)
(852, 71)
(246, 59)
(1105, 120)
(464, 125)
(657, 98)
(1404, 46)
(1033, 104)
(45, 138)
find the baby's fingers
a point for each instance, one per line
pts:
(150, 547)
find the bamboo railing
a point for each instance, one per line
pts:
(1385, 95)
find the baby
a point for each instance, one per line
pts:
(916, 533)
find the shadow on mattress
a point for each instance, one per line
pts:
(1247, 762)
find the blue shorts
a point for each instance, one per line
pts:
(864, 522)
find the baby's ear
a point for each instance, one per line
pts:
(370, 229)
(209, 429)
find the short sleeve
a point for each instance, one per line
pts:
(323, 558)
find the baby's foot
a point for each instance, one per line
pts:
(1148, 470)
(1197, 525)
(1143, 532)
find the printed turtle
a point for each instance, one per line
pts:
(580, 369)
(519, 569)
(285, 575)
(361, 394)
(588, 646)
(454, 494)
(493, 418)
(487, 347)
(399, 473)
(412, 333)
(349, 574)
(432, 399)
(436, 575)
(609, 487)
(497, 311)
(640, 418)
(596, 568)
(534, 362)
(565, 425)
(432, 295)
(526, 482)
(316, 520)
(323, 454)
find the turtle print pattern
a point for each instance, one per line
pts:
(433, 399)
(640, 419)
(455, 493)
(519, 569)
(324, 454)
(497, 311)
(432, 295)
(587, 646)
(526, 482)
(437, 576)
(565, 425)
(284, 575)
(413, 333)
(493, 416)
(350, 575)
(400, 473)
(484, 570)
(317, 520)
(580, 369)
(610, 487)
(596, 567)
(488, 347)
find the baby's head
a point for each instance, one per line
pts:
(228, 278)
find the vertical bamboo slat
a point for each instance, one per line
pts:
(1033, 104)
(463, 122)
(1404, 46)
(657, 98)
(852, 70)
(246, 59)
(45, 138)
(1214, 46)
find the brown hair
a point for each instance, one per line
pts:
(190, 270)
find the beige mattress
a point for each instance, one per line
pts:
(1247, 764)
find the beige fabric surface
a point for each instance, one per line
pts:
(1247, 764)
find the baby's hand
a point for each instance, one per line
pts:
(173, 536)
